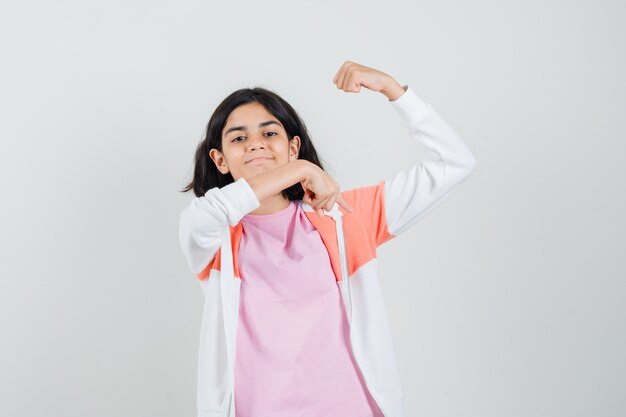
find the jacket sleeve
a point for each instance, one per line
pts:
(396, 203)
(204, 220)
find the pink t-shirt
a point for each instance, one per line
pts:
(293, 354)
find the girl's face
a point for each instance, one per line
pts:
(253, 141)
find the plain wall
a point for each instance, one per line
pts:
(507, 300)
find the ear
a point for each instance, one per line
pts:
(294, 148)
(219, 160)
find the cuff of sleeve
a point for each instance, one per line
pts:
(410, 106)
(241, 198)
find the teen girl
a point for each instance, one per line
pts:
(294, 323)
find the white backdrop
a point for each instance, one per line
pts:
(516, 306)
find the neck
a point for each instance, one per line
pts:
(272, 205)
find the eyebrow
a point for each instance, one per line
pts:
(263, 124)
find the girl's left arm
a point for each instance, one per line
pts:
(395, 204)
(414, 192)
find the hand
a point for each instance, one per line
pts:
(321, 191)
(351, 76)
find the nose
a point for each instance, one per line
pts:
(256, 141)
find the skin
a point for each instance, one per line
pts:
(282, 168)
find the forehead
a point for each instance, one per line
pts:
(248, 115)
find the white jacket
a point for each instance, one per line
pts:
(210, 228)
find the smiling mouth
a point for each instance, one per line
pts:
(258, 159)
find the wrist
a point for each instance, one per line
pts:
(393, 90)
(304, 169)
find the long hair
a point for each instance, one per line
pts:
(206, 175)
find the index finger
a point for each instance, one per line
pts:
(343, 203)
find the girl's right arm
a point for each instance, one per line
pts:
(272, 182)
(320, 190)
(203, 221)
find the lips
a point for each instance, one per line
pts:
(260, 158)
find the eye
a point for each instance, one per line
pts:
(235, 139)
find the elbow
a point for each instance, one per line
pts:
(462, 169)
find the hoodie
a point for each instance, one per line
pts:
(210, 230)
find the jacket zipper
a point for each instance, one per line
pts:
(336, 214)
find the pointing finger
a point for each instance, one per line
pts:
(343, 203)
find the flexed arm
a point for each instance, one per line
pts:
(400, 201)
(414, 192)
